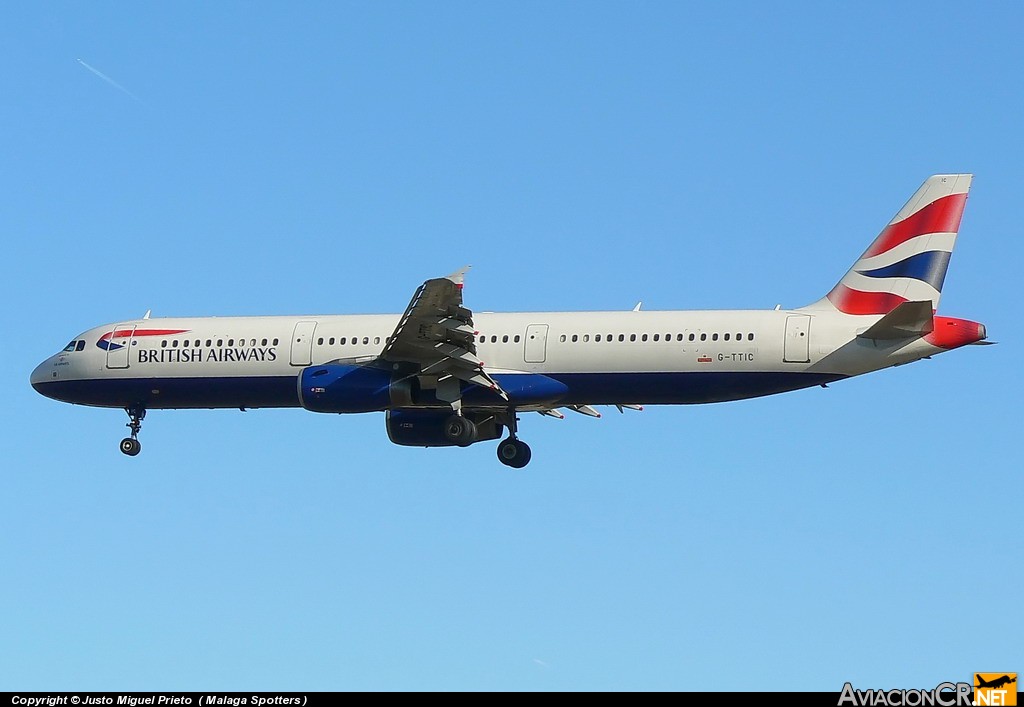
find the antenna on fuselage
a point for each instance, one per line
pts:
(146, 315)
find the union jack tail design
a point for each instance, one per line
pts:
(908, 260)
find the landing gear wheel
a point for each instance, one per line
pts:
(459, 430)
(514, 453)
(130, 446)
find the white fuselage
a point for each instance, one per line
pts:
(635, 357)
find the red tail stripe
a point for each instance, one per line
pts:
(941, 216)
(851, 301)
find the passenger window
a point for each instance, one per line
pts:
(494, 339)
(574, 338)
(679, 337)
(231, 342)
(632, 337)
(342, 341)
(330, 342)
(597, 337)
(516, 338)
(726, 337)
(656, 336)
(174, 343)
(209, 341)
(586, 338)
(220, 342)
(562, 338)
(504, 339)
(252, 342)
(275, 342)
(262, 343)
(739, 337)
(643, 338)
(750, 337)
(714, 337)
(376, 340)
(703, 337)
(622, 337)
(163, 344)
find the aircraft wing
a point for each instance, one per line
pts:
(436, 334)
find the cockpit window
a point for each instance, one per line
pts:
(71, 346)
(81, 345)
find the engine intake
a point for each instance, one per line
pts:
(338, 387)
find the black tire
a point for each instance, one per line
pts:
(130, 446)
(460, 430)
(514, 453)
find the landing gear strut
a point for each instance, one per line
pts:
(513, 451)
(131, 445)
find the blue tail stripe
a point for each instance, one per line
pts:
(929, 267)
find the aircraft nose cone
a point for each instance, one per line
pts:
(40, 375)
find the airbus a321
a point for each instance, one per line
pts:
(444, 376)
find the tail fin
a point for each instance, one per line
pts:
(908, 259)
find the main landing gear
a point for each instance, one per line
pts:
(131, 445)
(513, 451)
(460, 430)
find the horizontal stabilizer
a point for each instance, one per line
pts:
(907, 320)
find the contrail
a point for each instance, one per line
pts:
(109, 80)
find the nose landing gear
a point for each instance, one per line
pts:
(131, 445)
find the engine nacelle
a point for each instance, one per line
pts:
(425, 428)
(339, 387)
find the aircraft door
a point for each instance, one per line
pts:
(798, 340)
(302, 344)
(535, 350)
(119, 344)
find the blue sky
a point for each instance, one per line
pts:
(329, 157)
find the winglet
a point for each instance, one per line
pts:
(459, 276)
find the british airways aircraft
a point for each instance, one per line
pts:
(445, 376)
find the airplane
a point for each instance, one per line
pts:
(997, 682)
(446, 376)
